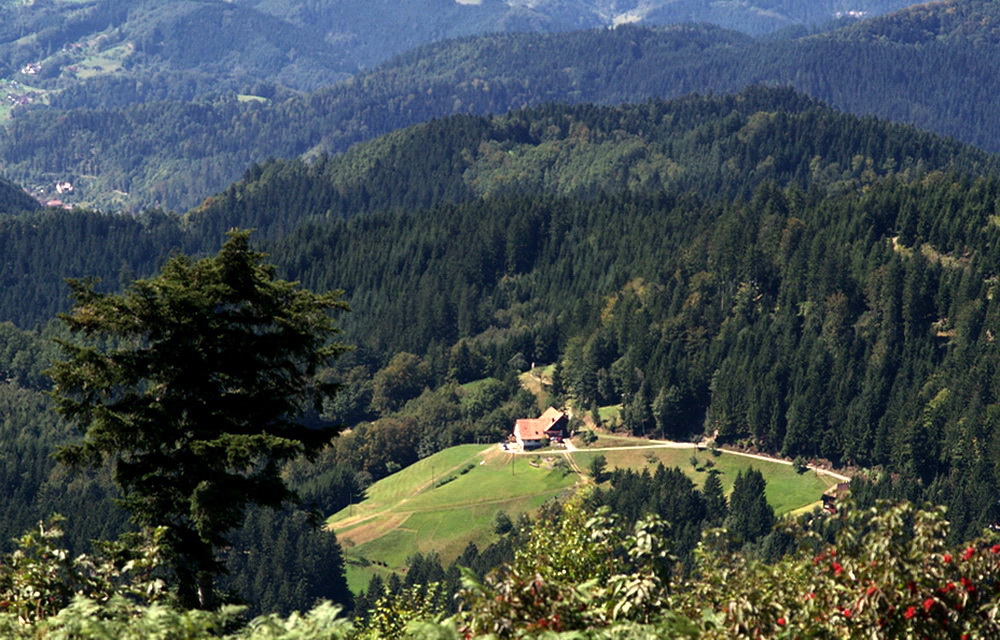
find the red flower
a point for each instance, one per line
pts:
(968, 553)
(837, 568)
(781, 622)
(928, 603)
(846, 612)
(948, 587)
(947, 558)
(871, 589)
(995, 548)
(910, 612)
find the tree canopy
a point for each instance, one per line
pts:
(192, 384)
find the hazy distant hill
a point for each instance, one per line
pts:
(306, 44)
(57, 45)
(173, 153)
(370, 30)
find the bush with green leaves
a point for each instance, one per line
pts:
(889, 573)
(121, 619)
(577, 570)
(40, 577)
(885, 572)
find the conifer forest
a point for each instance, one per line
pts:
(272, 271)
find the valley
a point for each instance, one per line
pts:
(441, 504)
(278, 277)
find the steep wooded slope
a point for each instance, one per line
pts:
(13, 199)
(798, 279)
(847, 315)
(718, 147)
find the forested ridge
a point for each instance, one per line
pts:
(662, 254)
(933, 67)
(856, 288)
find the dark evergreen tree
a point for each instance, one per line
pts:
(191, 385)
(716, 508)
(750, 516)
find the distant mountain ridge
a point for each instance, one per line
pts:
(758, 135)
(171, 153)
(305, 44)
(376, 29)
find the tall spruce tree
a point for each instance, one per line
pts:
(715, 499)
(192, 385)
(750, 516)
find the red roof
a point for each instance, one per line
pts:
(529, 429)
(538, 428)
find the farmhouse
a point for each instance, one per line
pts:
(535, 432)
(834, 494)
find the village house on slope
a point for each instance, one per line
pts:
(531, 433)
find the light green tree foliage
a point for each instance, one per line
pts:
(40, 577)
(403, 378)
(394, 616)
(192, 384)
(577, 570)
(120, 619)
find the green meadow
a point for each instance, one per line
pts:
(451, 498)
(786, 491)
(411, 511)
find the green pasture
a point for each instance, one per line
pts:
(103, 62)
(609, 414)
(411, 511)
(786, 489)
(474, 385)
(407, 513)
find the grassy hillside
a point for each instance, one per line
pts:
(410, 512)
(406, 513)
(787, 490)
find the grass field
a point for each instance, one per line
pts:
(406, 513)
(610, 414)
(413, 511)
(104, 62)
(786, 489)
